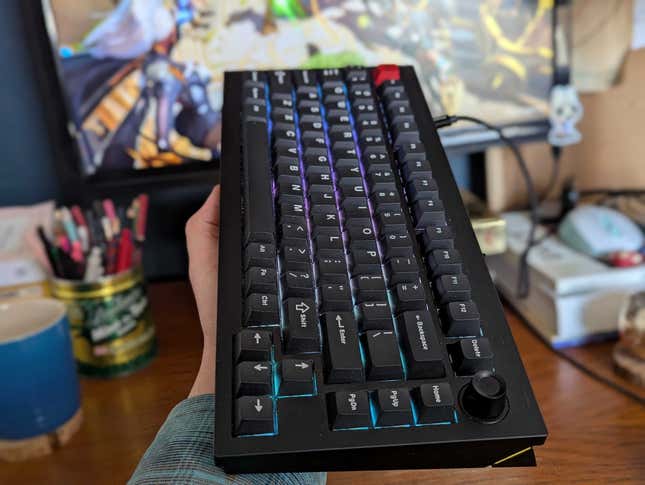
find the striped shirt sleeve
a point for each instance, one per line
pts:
(182, 453)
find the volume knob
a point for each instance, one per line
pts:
(484, 397)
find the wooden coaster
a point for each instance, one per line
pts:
(19, 450)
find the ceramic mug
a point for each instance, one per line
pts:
(39, 388)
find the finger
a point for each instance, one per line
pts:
(208, 213)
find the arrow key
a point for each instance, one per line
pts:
(297, 377)
(254, 415)
(253, 345)
(253, 378)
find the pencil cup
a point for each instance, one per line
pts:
(112, 332)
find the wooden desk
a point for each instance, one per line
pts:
(596, 434)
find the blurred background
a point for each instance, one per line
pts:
(111, 131)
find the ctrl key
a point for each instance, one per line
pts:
(254, 416)
(349, 409)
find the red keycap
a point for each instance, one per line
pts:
(386, 72)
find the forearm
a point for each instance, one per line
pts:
(205, 380)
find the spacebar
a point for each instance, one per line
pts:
(259, 225)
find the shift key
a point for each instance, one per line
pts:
(342, 353)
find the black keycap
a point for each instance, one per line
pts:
(296, 377)
(254, 416)
(289, 188)
(369, 288)
(331, 266)
(280, 100)
(356, 75)
(301, 326)
(321, 194)
(380, 180)
(335, 296)
(393, 241)
(452, 288)
(280, 82)
(402, 270)
(318, 175)
(437, 237)
(253, 345)
(470, 355)
(460, 319)
(421, 345)
(349, 187)
(253, 378)
(429, 212)
(399, 111)
(293, 230)
(349, 409)
(329, 240)
(261, 309)
(411, 151)
(369, 126)
(295, 258)
(390, 221)
(444, 261)
(405, 131)
(287, 166)
(327, 219)
(261, 280)
(375, 315)
(348, 167)
(393, 407)
(287, 209)
(380, 158)
(254, 78)
(422, 188)
(343, 362)
(255, 113)
(259, 254)
(258, 200)
(383, 356)
(365, 261)
(304, 78)
(434, 403)
(359, 232)
(409, 296)
(297, 283)
(386, 200)
(355, 207)
(254, 93)
(416, 169)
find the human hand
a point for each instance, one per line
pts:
(202, 240)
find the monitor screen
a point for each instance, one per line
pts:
(143, 78)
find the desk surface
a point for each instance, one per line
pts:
(595, 433)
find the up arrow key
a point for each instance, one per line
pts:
(257, 338)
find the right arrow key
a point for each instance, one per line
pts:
(254, 415)
(296, 377)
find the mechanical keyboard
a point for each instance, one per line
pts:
(358, 325)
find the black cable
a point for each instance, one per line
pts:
(523, 282)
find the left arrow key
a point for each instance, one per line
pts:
(254, 415)
(251, 344)
(253, 378)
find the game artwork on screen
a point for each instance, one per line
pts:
(144, 78)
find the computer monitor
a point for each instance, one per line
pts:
(143, 78)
